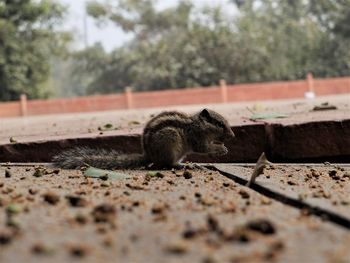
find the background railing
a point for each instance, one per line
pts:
(222, 93)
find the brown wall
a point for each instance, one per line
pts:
(218, 94)
(10, 109)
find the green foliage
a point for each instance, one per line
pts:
(26, 42)
(184, 46)
(172, 48)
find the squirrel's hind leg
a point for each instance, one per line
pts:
(165, 148)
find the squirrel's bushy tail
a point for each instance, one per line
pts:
(99, 158)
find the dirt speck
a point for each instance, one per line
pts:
(177, 247)
(159, 208)
(244, 194)
(104, 213)
(78, 251)
(51, 198)
(262, 226)
(5, 238)
(33, 191)
(38, 173)
(187, 174)
(81, 219)
(41, 249)
(8, 174)
(290, 182)
(76, 201)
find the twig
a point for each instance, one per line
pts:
(258, 169)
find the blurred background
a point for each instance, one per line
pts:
(62, 48)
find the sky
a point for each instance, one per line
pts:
(110, 36)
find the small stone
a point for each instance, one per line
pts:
(108, 126)
(315, 174)
(158, 208)
(41, 249)
(78, 251)
(134, 122)
(104, 213)
(302, 196)
(244, 194)
(332, 173)
(198, 195)
(8, 174)
(105, 184)
(149, 175)
(240, 234)
(56, 171)
(177, 247)
(33, 191)
(51, 198)
(189, 233)
(76, 201)
(38, 173)
(265, 201)
(81, 219)
(187, 175)
(136, 203)
(104, 177)
(262, 226)
(212, 223)
(345, 202)
(12, 140)
(134, 186)
(290, 182)
(5, 238)
(346, 175)
(171, 182)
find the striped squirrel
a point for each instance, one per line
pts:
(167, 138)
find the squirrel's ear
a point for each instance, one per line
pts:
(205, 114)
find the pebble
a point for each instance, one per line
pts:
(51, 198)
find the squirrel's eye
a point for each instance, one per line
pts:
(221, 125)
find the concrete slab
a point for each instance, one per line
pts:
(322, 189)
(62, 216)
(305, 135)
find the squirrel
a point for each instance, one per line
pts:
(167, 138)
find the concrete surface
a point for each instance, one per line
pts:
(62, 126)
(304, 135)
(61, 216)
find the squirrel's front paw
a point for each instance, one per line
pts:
(222, 150)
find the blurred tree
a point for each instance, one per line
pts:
(27, 39)
(186, 46)
(299, 36)
(173, 48)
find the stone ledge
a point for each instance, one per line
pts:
(323, 140)
(302, 142)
